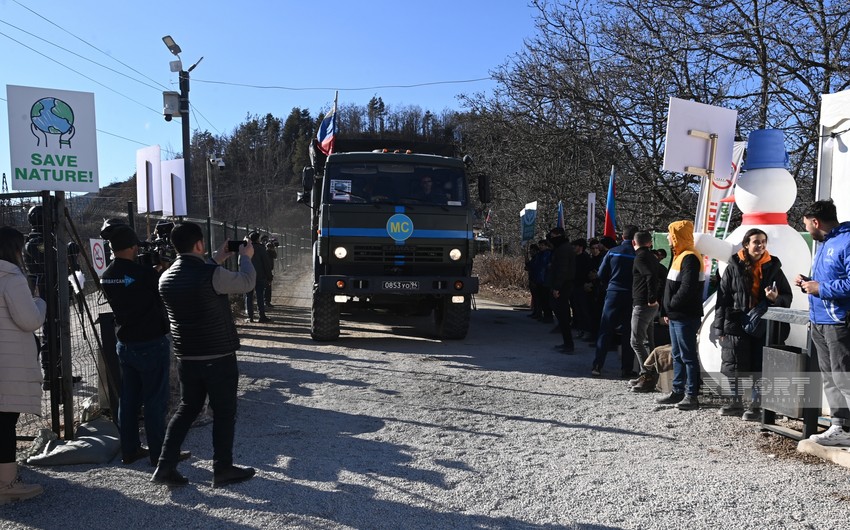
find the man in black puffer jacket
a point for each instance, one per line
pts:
(205, 342)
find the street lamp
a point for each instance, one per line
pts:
(217, 161)
(177, 66)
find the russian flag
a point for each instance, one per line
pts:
(327, 131)
(610, 216)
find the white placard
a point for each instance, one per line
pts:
(834, 159)
(682, 150)
(98, 256)
(52, 139)
(148, 180)
(173, 188)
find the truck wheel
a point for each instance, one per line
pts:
(452, 320)
(324, 318)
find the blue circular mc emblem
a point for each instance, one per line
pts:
(400, 227)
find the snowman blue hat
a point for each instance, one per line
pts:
(766, 148)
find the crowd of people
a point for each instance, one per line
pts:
(601, 291)
(168, 297)
(619, 294)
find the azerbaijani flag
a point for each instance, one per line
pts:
(327, 131)
(610, 216)
(560, 223)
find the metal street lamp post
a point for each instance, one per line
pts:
(177, 66)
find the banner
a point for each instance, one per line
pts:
(528, 218)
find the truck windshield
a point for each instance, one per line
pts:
(375, 183)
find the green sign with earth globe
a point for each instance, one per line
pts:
(52, 116)
(52, 139)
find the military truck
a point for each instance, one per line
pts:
(392, 230)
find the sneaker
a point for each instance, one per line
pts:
(249, 320)
(565, 348)
(647, 383)
(264, 320)
(671, 399)
(752, 414)
(732, 408)
(18, 491)
(835, 435)
(688, 403)
(232, 475)
(596, 371)
(168, 476)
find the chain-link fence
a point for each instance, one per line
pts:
(77, 344)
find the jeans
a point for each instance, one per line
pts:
(218, 379)
(144, 381)
(616, 318)
(260, 291)
(833, 344)
(643, 321)
(686, 370)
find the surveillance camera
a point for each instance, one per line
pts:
(221, 163)
(168, 117)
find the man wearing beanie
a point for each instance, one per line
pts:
(143, 348)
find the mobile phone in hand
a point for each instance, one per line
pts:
(233, 246)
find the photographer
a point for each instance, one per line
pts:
(141, 325)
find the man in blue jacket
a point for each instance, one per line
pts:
(829, 311)
(616, 270)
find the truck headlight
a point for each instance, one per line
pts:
(340, 252)
(454, 254)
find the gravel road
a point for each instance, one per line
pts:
(391, 428)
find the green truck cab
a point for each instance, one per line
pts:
(391, 230)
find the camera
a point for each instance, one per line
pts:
(148, 255)
(233, 246)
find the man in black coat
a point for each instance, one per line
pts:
(563, 275)
(263, 265)
(647, 283)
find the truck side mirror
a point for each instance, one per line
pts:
(484, 194)
(307, 178)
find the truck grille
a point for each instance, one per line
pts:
(398, 254)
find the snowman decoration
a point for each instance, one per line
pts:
(764, 192)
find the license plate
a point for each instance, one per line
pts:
(401, 286)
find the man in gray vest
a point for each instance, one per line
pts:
(195, 291)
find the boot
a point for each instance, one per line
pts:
(11, 487)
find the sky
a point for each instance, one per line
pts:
(361, 48)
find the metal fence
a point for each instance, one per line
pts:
(72, 345)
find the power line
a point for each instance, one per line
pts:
(79, 73)
(351, 89)
(95, 62)
(78, 55)
(89, 44)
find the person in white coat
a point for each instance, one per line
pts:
(21, 313)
